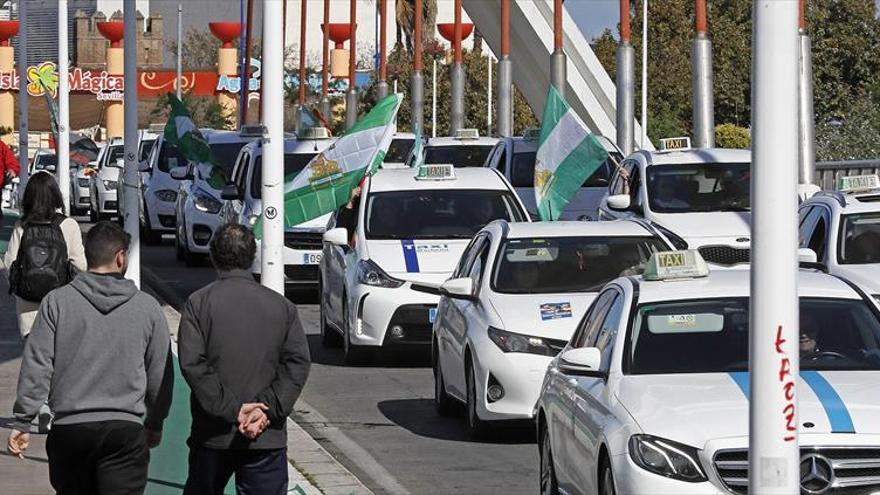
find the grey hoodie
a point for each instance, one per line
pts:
(99, 350)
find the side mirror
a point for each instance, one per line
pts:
(50, 169)
(230, 192)
(181, 173)
(807, 255)
(619, 202)
(144, 166)
(120, 162)
(458, 288)
(583, 361)
(337, 236)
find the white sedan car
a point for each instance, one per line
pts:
(410, 226)
(651, 394)
(105, 182)
(513, 303)
(843, 228)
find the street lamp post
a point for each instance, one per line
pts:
(701, 58)
(417, 88)
(625, 83)
(130, 210)
(62, 147)
(807, 154)
(382, 87)
(456, 103)
(351, 96)
(558, 62)
(22, 99)
(325, 63)
(505, 76)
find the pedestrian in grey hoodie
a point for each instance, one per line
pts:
(100, 352)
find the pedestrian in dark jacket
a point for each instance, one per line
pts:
(101, 352)
(245, 356)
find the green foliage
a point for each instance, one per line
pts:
(204, 110)
(732, 136)
(854, 135)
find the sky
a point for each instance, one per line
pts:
(594, 16)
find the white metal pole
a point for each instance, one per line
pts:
(179, 49)
(644, 74)
(489, 99)
(130, 210)
(774, 360)
(22, 99)
(272, 242)
(62, 147)
(434, 101)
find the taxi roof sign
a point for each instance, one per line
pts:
(467, 134)
(671, 265)
(675, 144)
(858, 183)
(255, 130)
(436, 171)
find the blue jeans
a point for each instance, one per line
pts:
(257, 472)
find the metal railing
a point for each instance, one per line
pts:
(827, 173)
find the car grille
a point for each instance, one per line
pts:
(109, 205)
(725, 255)
(304, 241)
(414, 320)
(854, 471)
(301, 274)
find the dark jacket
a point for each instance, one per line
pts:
(240, 342)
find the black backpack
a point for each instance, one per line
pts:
(42, 264)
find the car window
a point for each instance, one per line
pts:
(170, 157)
(502, 159)
(590, 323)
(460, 156)
(479, 264)
(817, 238)
(859, 239)
(808, 221)
(607, 331)
(294, 163)
(703, 187)
(467, 256)
(242, 172)
(398, 150)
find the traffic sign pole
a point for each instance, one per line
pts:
(130, 210)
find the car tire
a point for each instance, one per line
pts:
(93, 215)
(477, 428)
(179, 254)
(548, 484)
(606, 478)
(353, 354)
(329, 336)
(442, 401)
(150, 237)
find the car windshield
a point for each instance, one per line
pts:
(712, 336)
(859, 239)
(568, 264)
(113, 154)
(45, 160)
(293, 164)
(522, 171)
(225, 154)
(399, 150)
(146, 147)
(460, 156)
(170, 157)
(699, 187)
(437, 214)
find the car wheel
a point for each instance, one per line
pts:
(606, 478)
(442, 401)
(93, 215)
(150, 237)
(549, 484)
(329, 336)
(354, 354)
(477, 427)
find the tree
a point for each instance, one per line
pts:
(205, 111)
(405, 22)
(731, 136)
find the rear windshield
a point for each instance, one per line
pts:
(568, 264)
(460, 155)
(399, 150)
(293, 164)
(43, 161)
(522, 171)
(437, 214)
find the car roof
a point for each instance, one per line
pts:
(453, 141)
(221, 136)
(736, 283)
(403, 179)
(615, 228)
(292, 146)
(867, 202)
(704, 155)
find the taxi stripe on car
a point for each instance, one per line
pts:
(410, 257)
(835, 409)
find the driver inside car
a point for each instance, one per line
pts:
(809, 335)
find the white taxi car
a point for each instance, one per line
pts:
(197, 211)
(465, 149)
(104, 183)
(81, 182)
(699, 198)
(650, 396)
(409, 226)
(243, 204)
(843, 228)
(514, 301)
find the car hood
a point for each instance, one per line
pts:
(109, 173)
(314, 225)
(710, 227)
(552, 316)
(696, 408)
(866, 275)
(416, 260)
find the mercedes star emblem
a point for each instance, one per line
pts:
(817, 474)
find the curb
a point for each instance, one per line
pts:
(313, 470)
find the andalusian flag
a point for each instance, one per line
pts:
(326, 182)
(417, 153)
(568, 154)
(182, 132)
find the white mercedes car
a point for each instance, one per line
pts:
(699, 198)
(105, 181)
(512, 304)
(651, 394)
(843, 228)
(410, 226)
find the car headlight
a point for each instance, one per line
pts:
(369, 273)
(666, 458)
(515, 342)
(82, 182)
(166, 195)
(110, 185)
(206, 203)
(252, 219)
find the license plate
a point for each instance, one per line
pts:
(432, 315)
(311, 258)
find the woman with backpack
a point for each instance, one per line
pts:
(45, 251)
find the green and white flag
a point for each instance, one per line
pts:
(417, 153)
(568, 154)
(182, 132)
(325, 184)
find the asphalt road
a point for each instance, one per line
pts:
(378, 420)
